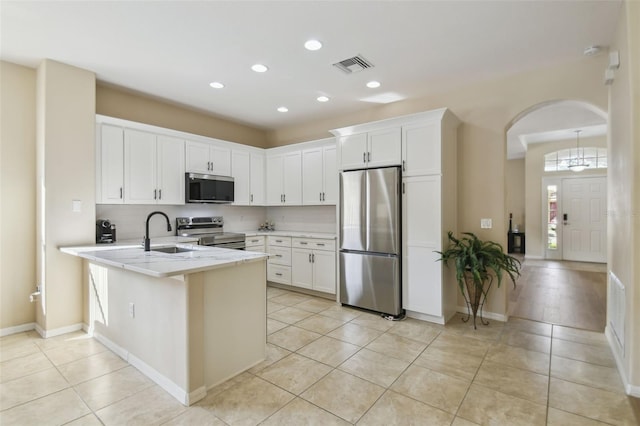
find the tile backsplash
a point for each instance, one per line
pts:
(130, 219)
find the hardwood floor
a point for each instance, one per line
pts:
(566, 293)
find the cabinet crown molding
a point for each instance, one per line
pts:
(433, 115)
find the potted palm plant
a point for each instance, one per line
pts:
(477, 264)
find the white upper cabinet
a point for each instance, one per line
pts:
(421, 149)
(377, 148)
(284, 178)
(257, 180)
(153, 168)
(241, 167)
(320, 175)
(170, 170)
(208, 158)
(248, 174)
(110, 165)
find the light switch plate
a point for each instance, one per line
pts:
(485, 223)
(76, 206)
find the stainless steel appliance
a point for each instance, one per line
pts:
(210, 232)
(105, 232)
(201, 188)
(370, 263)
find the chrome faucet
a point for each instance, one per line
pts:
(147, 241)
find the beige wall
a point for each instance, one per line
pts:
(17, 194)
(534, 172)
(65, 144)
(624, 182)
(115, 102)
(515, 191)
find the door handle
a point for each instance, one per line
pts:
(565, 219)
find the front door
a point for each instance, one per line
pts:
(584, 220)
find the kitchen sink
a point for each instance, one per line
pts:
(172, 250)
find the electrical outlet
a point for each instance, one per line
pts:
(132, 310)
(485, 223)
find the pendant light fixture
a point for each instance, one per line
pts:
(578, 164)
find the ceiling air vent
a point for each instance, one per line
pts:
(355, 64)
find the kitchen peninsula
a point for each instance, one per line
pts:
(187, 316)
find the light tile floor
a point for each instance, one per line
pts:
(330, 365)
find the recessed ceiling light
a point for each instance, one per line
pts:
(322, 99)
(283, 109)
(373, 84)
(259, 68)
(313, 45)
(216, 85)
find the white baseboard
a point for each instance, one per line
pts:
(17, 329)
(629, 388)
(486, 315)
(528, 256)
(425, 317)
(45, 334)
(161, 380)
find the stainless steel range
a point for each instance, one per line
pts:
(209, 231)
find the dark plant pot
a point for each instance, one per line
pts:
(475, 296)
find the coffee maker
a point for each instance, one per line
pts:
(105, 232)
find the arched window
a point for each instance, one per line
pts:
(559, 161)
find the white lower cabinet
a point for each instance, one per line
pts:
(313, 264)
(256, 243)
(279, 263)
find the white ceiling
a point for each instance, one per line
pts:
(174, 49)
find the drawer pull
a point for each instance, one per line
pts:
(254, 241)
(278, 241)
(278, 274)
(278, 255)
(320, 244)
(304, 243)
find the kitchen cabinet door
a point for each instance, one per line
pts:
(421, 233)
(353, 151)
(324, 271)
(301, 268)
(170, 170)
(241, 167)
(257, 180)
(220, 158)
(330, 175)
(275, 170)
(385, 148)
(197, 157)
(421, 149)
(140, 167)
(110, 178)
(292, 178)
(312, 179)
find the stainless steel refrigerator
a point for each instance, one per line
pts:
(370, 240)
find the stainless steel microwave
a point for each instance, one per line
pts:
(201, 188)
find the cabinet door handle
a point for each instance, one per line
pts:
(368, 156)
(403, 189)
(278, 255)
(313, 258)
(309, 257)
(251, 199)
(121, 193)
(254, 241)
(159, 194)
(278, 241)
(320, 244)
(303, 243)
(364, 157)
(404, 166)
(155, 193)
(284, 197)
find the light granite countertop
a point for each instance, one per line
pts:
(159, 264)
(295, 234)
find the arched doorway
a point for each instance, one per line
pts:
(546, 206)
